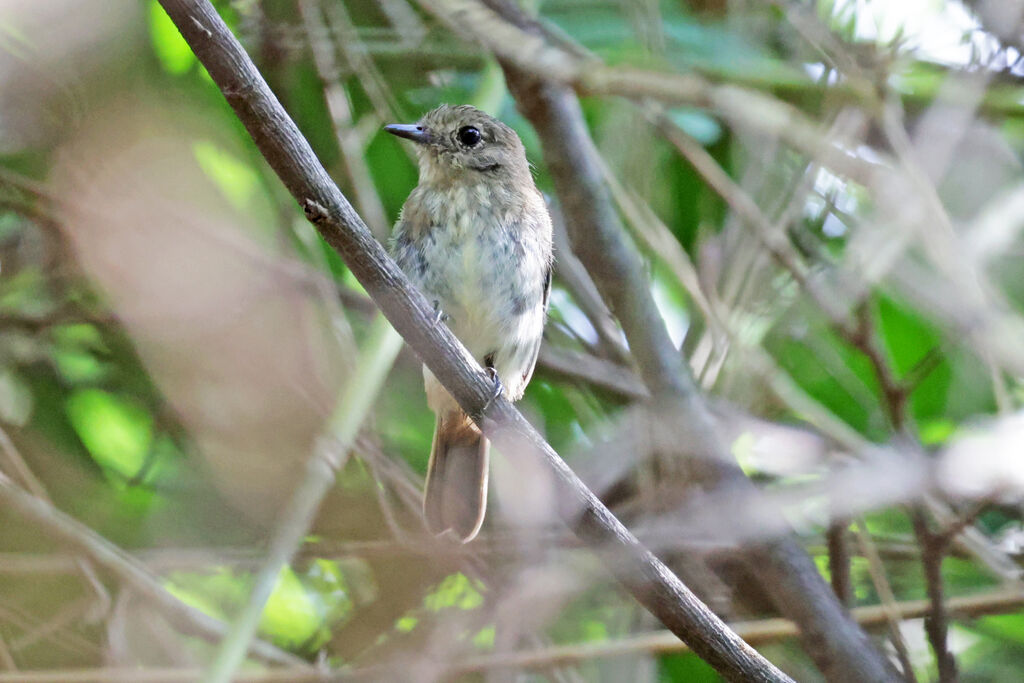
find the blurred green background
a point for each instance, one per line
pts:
(173, 335)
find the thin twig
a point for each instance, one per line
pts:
(839, 647)
(73, 534)
(381, 348)
(349, 141)
(839, 559)
(936, 623)
(884, 589)
(999, 601)
(291, 157)
(6, 658)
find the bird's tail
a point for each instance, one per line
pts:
(456, 491)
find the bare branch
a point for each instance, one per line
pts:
(838, 646)
(291, 157)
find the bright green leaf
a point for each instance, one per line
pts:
(234, 178)
(484, 638)
(406, 624)
(292, 615)
(455, 590)
(117, 432)
(175, 55)
(78, 366)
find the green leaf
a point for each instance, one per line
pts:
(117, 432)
(697, 125)
(171, 50)
(484, 638)
(406, 624)
(455, 591)
(234, 178)
(292, 615)
(78, 366)
(909, 339)
(685, 668)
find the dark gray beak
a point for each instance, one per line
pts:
(409, 132)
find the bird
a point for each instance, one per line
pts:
(475, 237)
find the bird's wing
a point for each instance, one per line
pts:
(535, 351)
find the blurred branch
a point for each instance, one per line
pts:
(6, 659)
(21, 471)
(72, 533)
(349, 141)
(534, 51)
(936, 622)
(574, 276)
(361, 389)
(838, 543)
(291, 157)
(599, 373)
(1000, 601)
(772, 237)
(756, 632)
(838, 646)
(69, 641)
(884, 590)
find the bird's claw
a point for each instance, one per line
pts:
(439, 315)
(499, 388)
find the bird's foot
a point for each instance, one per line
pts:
(439, 315)
(499, 388)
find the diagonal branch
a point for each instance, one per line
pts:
(839, 647)
(288, 153)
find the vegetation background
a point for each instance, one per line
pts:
(844, 275)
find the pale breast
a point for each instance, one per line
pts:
(483, 257)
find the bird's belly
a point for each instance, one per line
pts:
(491, 295)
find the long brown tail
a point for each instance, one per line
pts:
(456, 491)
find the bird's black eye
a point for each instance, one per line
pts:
(469, 136)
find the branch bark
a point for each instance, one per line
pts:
(280, 142)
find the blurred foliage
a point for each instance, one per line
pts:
(87, 394)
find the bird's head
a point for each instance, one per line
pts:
(463, 144)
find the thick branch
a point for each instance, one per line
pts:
(291, 157)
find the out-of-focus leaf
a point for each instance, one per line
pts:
(840, 386)
(78, 366)
(909, 339)
(455, 591)
(234, 178)
(117, 432)
(292, 615)
(697, 125)
(685, 668)
(935, 432)
(406, 624)
(174, 54)
(484, 638)
(196, 599)
(1007, 627)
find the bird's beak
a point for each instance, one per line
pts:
(413, 132)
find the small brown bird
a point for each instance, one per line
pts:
(475, 237)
